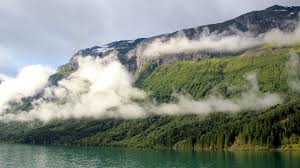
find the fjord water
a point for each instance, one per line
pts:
(31, 156)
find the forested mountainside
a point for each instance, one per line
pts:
(129, 51)
(199, 75)
(275, 128)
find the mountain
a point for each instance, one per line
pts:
(128, 51)
(277, 127)
(256, 22)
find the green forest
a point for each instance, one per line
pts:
(275, 128)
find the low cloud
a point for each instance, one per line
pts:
(100, 88)
(103, 88)
(207, 43)
(252, 99)
(213, 42)
(29, 81)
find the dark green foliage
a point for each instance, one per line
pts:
(145, 73)
(63, 72)
(272, 128)
(53, 79)
(23, 105)
(224, 76)
(277, 127)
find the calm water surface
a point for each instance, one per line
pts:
(31, 156)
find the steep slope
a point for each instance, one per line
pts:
(256, 22)
(275, 128)
(222, 75)
(130, 52)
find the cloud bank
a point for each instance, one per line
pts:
(103, 88)
(218, 42)
(100, 88)
(29, 81)
(252, 99)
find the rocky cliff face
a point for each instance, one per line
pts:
(256, 22)
(130, 52)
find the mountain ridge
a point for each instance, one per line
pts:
(125, 48)
(277, 127)
(129, 52)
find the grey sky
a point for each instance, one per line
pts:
(49, 31)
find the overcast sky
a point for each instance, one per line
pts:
(49, 31)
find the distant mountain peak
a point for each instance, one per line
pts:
(256, 22)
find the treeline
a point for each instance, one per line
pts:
(275, 128)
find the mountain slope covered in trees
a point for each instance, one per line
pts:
(129, 51)
(275, 128)
(198, 76)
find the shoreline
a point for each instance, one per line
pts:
(240, 148)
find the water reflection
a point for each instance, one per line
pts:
(30, 156)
